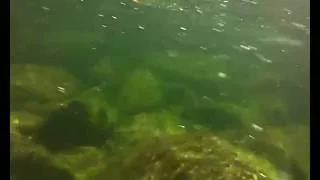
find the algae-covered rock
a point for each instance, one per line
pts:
(176, 93)
(41, 82)
(96, 103)
(196, 156)
(31, 161)
(42, 109)
(83, 162)
(23, 146)
(103, 70)
(25, 122)
(148, 125)
(141, 91)
(198, 67)
(215, 117)
(294, 140)
(266, 110)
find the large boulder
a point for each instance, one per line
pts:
(29, 81)
(141, 91)
(26, 123)
(82, 162)
(195, 156)
(31, 161)
(144, 126)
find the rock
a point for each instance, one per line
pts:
(41, 82)
(196, 67)
(96, 103)
(294, 140)
(30, 161)
(178, 94)
(22, 147)
(25, 122)
(214, 116)
(141, 91)
(103, 70)
(148, 125)
(69, 127)
(195, 156)
(265, 110)
(82, 162)
(42, 109)
(32, 168)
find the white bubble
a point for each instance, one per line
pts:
(199, 11)
(203, 48)
(100, 15)
(61, 89)
(256, 127)
(181, 126)
(183, 28)
(45, 8)
(217, 30)
(141, 27)
(222, 75)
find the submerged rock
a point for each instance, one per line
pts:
(97, 105)
(214, 117)
(25, 122)
(266, 110)
(41, 82)
(82, 162)
(103, 70)
(141, 91)
(30, 161)
(195, 156)
(144, 126)
(199, 67)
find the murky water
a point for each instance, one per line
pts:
(159, 89)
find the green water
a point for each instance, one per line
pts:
(125, 89)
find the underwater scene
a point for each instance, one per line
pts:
(159, 90)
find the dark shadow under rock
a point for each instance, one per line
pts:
(68, 127)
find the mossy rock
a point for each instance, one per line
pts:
(42, 109)
(215, 116)
(25, 122)
(266, 110)
(103, 70)
(41, 82)
(97, 105)
(195, 156)
(196, 67)
(148, 125)
(295, 141)
(31, 161)
(22, 146)
(82, 162)
(141, 91)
